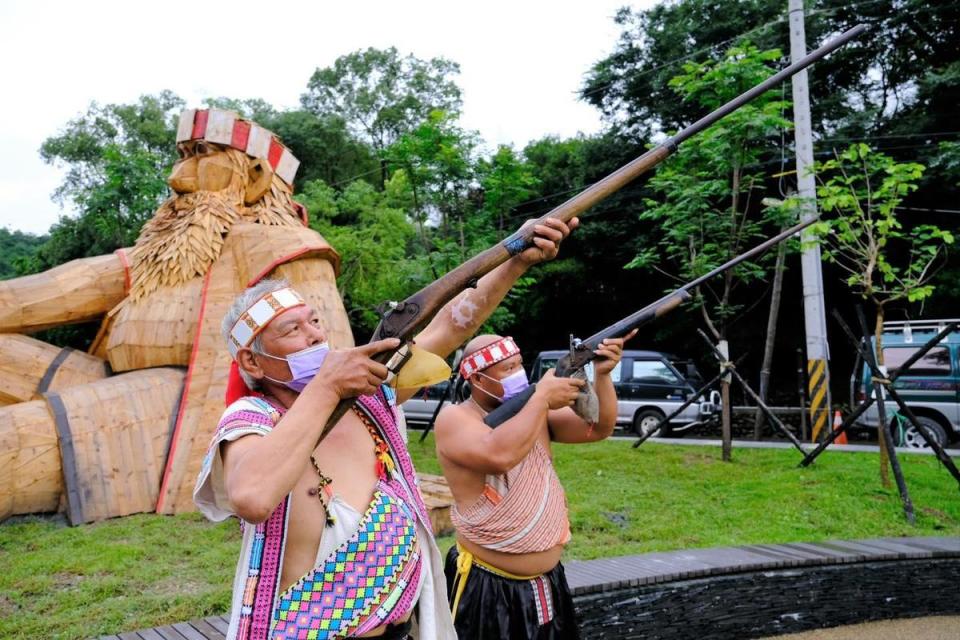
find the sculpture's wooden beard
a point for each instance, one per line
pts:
(185, 237)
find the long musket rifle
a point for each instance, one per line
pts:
(582, 351)
(405, 319)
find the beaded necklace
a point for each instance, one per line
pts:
(384, 465)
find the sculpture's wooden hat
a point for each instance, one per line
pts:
(227, 128)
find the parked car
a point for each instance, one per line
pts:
(420, 408)
(649, 387)
(931, 388)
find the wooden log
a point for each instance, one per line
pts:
(113, 437)
(438, 499)
(77, 291)
(31, 480)
(29, 368)
(101, 445)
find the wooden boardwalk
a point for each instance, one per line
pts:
(607, 574)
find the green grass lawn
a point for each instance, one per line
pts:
(148, 570)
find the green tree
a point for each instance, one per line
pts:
(437, 158)
(373, 237)
(381, 95)
(16, 247)
(506, 181)
(865, 238)
(709, 194)
(110, 211)
(146, 128)
(903, 76)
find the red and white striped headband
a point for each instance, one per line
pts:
(227, 128)
(255, 319)
(488, 356)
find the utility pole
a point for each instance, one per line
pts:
(815, 324)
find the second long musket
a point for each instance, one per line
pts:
(582, 351)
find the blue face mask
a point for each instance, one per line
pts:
(512, 384)
(304, 365)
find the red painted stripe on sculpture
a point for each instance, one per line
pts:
(241, 135)
(273, 155)
(200, 124)
(323, 251)
(168, 468)
(126, 269)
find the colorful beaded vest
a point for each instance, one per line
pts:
(369, 580)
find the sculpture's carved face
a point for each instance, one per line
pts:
(209, 167)
(214, 188)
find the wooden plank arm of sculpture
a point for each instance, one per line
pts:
(77, 291)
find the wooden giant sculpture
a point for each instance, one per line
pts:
(123, 428)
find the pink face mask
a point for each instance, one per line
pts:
(512, 384)
(304, 365)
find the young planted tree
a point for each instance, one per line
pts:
(709, 209)
(859, 194)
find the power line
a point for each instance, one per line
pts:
(893, 136)
(931, 210)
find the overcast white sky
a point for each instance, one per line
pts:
(521, 64)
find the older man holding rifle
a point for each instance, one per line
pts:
(337, 541)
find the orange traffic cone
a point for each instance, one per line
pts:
(837, 421)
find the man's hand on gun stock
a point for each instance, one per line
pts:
(351, 372)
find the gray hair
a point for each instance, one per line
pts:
(243, 302)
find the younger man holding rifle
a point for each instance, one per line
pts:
(504, 577)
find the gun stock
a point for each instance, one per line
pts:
(408, 317)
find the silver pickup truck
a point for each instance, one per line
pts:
(649, 387)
